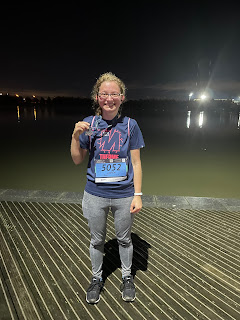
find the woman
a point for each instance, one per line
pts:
(114, 178)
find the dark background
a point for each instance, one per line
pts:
(159, 49)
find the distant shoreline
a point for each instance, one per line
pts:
(62, 103)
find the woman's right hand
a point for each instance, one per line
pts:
(79, 128)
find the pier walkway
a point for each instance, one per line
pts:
(186, 259)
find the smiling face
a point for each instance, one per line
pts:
(109, 105)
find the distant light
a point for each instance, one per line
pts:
(203, 97)
(34, 96)
(190, 95)
(0, 93)
(17, 95)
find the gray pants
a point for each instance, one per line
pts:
(95, 210)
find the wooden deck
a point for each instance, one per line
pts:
(186, 262)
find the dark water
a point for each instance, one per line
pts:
(186, 154)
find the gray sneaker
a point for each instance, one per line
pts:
(128, 289)
(94, 290)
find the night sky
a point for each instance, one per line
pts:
(158, 50)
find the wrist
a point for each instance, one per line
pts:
(138, 194)
(75, 138)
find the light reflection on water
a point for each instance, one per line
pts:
(191, 153)
(200, 122)
(34, 113)
(233, 119)
(220, 118)
(188, 119)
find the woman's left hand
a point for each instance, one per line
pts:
(136, 204)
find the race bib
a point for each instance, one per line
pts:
(111, 170)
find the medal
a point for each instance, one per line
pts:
(89, 132)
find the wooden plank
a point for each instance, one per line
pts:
(46, 246)
(57, 294)
(7, 309)
(18, 288)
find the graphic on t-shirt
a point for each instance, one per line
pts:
(111, 142)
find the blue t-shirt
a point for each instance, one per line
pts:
(111, 141)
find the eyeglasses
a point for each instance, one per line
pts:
(104, 95)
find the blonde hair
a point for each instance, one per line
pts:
(108, 76)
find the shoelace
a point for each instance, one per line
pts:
(95, 283)
(128, 282)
